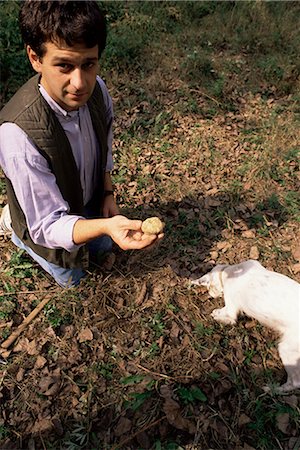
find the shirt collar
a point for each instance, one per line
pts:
(56, 107)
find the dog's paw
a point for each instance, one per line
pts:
(220, 315)
(285, 388)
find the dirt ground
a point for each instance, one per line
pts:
(132, 359)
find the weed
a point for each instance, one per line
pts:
(197, 67)
(7, 306)
(78, 438)
(191, 394)
(158, 445)
(172, 307)
(4, 432)
(57, 317)
(136, 399)
(15, 68)
(157, 325)
(132, 379)
(248, 356)
(104, 369)
(214, 375)
(264, 411)
(293, 154)
(20, 266)
(4, 333)
(2, 187)
(272, 71)
(292, 204)
(201, 330)
(154, 349)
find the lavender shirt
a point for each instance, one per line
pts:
(46, 211)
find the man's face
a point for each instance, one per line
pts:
(67, 73)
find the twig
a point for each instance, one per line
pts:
(128, 439)
(207, 96)
(25, 323)
(161, 375)
(26, 292)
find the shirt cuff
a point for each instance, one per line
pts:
(62, 232)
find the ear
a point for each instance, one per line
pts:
(203, 281)
(34, 59)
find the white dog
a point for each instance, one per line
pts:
(269, 297)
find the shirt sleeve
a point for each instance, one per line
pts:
(109, 120)
(45, 210)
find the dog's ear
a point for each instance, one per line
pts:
(203, 281)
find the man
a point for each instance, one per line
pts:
(55, 145)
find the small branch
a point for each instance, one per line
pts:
(11, 339)
(161, 375)
(26, 292)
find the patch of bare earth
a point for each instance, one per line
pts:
(132, 357)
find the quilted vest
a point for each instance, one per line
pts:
(30, 111)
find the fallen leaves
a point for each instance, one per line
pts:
(254, 252)
(85, 335)
(173, 412)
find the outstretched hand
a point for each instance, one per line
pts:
(127, 234)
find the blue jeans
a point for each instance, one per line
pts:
(66, 278)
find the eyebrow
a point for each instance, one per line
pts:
(63, 59)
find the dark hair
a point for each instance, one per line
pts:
(74, 22)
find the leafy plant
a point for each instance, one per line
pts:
(104, 369)
(157, 324)
(190, 395)
(55, 316)
(7, 306)
(201, 330)
(20, 267)
(4, 432)
(132, 379)
(137, 399)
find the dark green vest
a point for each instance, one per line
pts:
(30, 111)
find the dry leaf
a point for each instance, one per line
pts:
(40, 362)
(123, 426)
(296, 268)
(142, 294)
(20, 374)
(296, 253)
(249, 234)
(291, 400)
(282, 422)
(254, 253)
(85, 335)
(143, 440)
(244, 419)
(174, 330)
(42, 426)
(173, 412)
(50, 385)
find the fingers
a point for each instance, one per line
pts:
(144, 243)
(128, 235)
(156, 242)
(134, 225)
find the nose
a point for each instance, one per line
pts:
(77, 79)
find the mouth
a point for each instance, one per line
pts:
(78, 95)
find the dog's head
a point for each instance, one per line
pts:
(212, 281)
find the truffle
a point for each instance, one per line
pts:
(152, 225)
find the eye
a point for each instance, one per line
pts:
(88, 65)
(64, 67)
